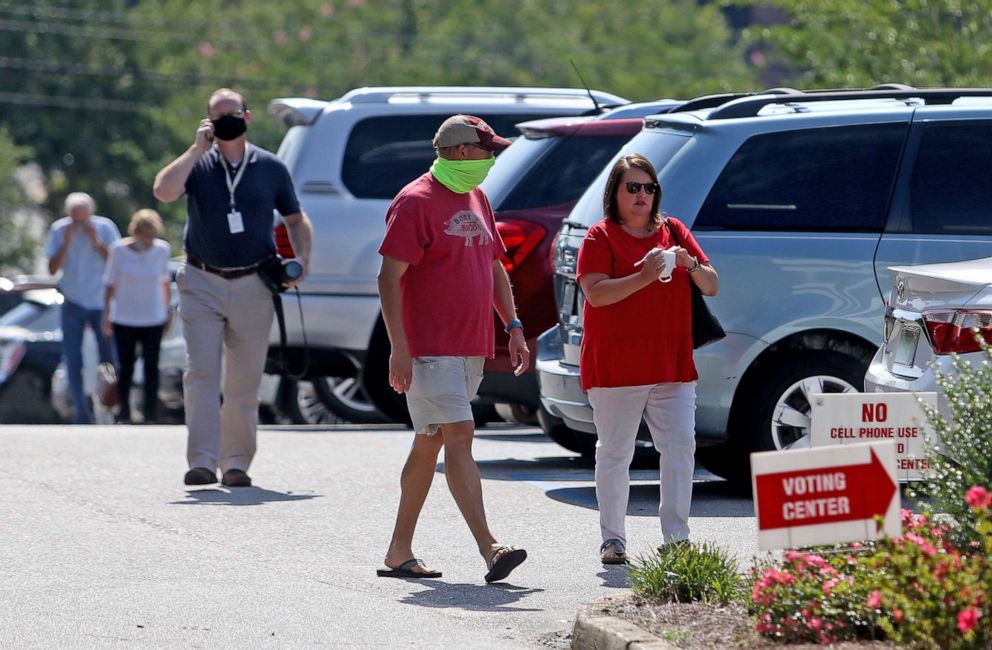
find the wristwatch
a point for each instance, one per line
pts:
(513, 324)
(696, 267)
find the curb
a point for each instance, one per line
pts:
(596, 630)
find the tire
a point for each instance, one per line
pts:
(26, 399)
(341, 397)
(297, 403)
(772, 412)
(375, 378)
(555, 428)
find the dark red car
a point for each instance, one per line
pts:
(532, 188)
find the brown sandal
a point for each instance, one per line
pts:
(612, 552)
(504, 560)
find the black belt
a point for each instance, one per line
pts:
(227, 274)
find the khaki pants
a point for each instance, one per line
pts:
(670, 412)
(232, 317)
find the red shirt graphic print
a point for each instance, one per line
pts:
(450, 242)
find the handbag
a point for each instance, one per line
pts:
(706, 328)
(106, 384)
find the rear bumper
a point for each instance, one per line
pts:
(720, 368)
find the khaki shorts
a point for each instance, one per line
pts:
(442, 390)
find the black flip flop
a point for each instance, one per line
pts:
(405, 571)
(503, 561)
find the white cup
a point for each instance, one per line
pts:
(668, 257)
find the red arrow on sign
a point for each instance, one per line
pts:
(823, 495)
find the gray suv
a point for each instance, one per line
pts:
(802, 201)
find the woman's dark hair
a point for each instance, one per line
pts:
(613, 186)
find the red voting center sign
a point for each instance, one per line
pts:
(824, 495)
(827, 495)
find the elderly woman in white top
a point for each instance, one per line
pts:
(136, 305)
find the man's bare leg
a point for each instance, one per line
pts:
(465, 483)
(415, 483)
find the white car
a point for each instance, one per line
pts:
(929, 315)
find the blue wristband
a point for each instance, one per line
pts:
(513, 324)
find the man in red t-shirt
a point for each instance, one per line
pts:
(440, 278)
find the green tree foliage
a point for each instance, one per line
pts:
(18, 241)
(108, 91)
(858, 43)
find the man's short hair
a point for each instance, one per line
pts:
(76, 199)
(227, 91)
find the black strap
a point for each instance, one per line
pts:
(281, 319)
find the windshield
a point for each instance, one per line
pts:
(659, 147)
(512, 165)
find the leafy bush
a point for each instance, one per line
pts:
(933, 593)
(812, 597)
(966, 438)
(687, 572)
(920, 589)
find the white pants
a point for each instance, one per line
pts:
(670, 412)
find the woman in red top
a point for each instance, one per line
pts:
(636, 357)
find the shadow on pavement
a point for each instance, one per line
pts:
(552, 468)
(710, 499)
(614, 576)
(509, 436)
(471, 597)
(251, 496)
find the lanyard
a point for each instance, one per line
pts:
(233, 184)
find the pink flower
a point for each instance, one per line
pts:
(206, 50)
(875, 599)
(978, 497)
(815, 623)
(897, 615)
(828, 586)
(968, 619)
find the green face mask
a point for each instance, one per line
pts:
(461, 176)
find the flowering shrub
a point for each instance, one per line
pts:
(932, 592)
(814, 598)
(966, 439)
(922, 589)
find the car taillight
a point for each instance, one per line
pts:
(951, 330)
(520, 238)
(10, 357)
(283, 246)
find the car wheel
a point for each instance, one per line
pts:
(26, 399)
(574, 441)
(342, 397)
(774, 411)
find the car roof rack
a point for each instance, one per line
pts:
(712, 101)
(751, 106)
(371, 95)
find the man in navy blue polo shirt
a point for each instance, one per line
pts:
(232, 189)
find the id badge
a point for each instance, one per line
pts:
(234, 222)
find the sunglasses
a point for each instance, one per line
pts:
(634, 188)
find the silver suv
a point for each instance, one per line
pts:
(802, 201)
(348, 158)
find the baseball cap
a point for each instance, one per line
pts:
(468, 129)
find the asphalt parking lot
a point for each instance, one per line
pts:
(104, 546)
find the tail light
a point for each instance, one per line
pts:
(283, 246)
(10, 357)
(520, 238)
(954, 330)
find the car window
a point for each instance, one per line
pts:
(564, 171)
(950, 189)
(659, 145)
(385, 153)
(828, 179)
(512, 165)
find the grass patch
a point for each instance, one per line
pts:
(688, 572)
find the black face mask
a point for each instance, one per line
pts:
(229, 127)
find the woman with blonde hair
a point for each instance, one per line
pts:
(137, 307)
(636, 268)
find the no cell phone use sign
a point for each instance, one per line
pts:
(851, 418)
(808, 497)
